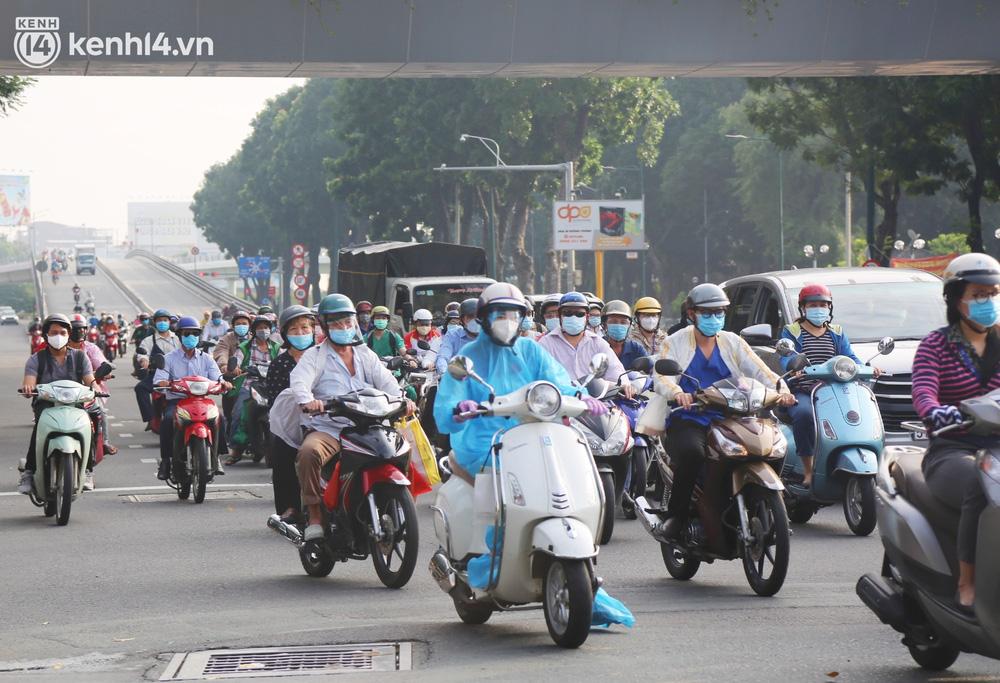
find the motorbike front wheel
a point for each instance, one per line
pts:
(65, 485)
(765, 554)
(679, 562)
(315, 559)
(637, 480)
(608, 521)
(859, 505)
(400, 535)
(472, 614)
(934, 657)
(568, 602)
(199, 468)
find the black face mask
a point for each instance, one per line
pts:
(78, 334)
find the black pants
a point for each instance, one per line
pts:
(687, 442)
(167, 431)
(37, 406)
(951, 473)
(144, 397)
(283, 476)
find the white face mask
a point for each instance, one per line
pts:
(505, 330)
(649, 322)
(423, 330)
(57, 341)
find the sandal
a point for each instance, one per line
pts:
(109, 449)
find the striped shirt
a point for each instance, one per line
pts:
(818, 350)
(946, 372)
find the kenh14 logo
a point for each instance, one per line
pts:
(36, 42)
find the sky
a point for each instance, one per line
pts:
(92, 144)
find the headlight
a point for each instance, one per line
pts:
(845, 369)
(183, 415)
(780, 446)
(725, 445)
(66, 394)
(738, 403)
(596, 446)
(198, 388)
(990, 465)
(544, 399)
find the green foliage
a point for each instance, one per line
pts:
(11, 90)
(19, 296)
(14, 252)
(948, 243)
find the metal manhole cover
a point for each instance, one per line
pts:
(225, 494)
(289, 661)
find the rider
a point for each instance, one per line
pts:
(594, 312)
(181, 362)
(143, 329)
(707, 354)
(506, 361)
(55, 362)
(341, 365)
(573, 345)
(258, 350)
(78, 340)
(162, 342)
(617, 318)
(529, 329)
(364, 312)
(458, 337)
(450, 313)
(35, 326)
(820, 340)
(76, 292)
(646, 330)
(215, 328)
(424, 330)
(550, 312)
(952, 364)
(380, 339)
(230, 341)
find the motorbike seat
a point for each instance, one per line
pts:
(910, 482)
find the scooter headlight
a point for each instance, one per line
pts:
(780, 445)
(725, 445)
(990, 465)
(544, 399)
(845, 369)
(198, 388)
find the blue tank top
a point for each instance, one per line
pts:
(708, 371)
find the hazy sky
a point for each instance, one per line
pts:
(92, 144)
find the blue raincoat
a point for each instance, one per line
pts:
(507, 369)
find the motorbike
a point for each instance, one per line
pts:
(37, 342)
(258, 421)
(531, 516)
(123, 334)
(915, 591)
(94, 336)
(196, 426)
(367, 505)
(849, 441)
(111, 344)
(76, 296)
(737, 510)
(646, 449)
(63, 444)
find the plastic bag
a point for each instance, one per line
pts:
(608, 610)
(478, 568)
(423, 464)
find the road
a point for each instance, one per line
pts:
(112, 595)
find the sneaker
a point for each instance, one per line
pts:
(219, 470)
(27, 482)
(669, 530)
(164, 472)
(88, 480)
(314, 532)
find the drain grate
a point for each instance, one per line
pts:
(225, 494)
(289, 661)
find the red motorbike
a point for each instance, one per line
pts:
(93, 336)
(196, 427)
(111, 344)
(37, 342)
(368, 502)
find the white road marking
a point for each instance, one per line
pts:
(135, 445)
(149, 461)
(125, 435)
(117, 424)
(128, 489)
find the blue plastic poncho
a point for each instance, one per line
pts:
(507, 369)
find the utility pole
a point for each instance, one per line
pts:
(704, 228)
(848, 239)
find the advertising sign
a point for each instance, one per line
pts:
(598, 225)
(15, 200)
(931, 264)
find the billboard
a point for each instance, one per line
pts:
(15, 200)
(598, 225)
(931, 264)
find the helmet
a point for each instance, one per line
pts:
(470, 306)
(499, 295)
(706, 295)
(422, 314)
(364, 306)
(161, 313)
(530, 304)
(76, 321)
(574, 300)
(813, 293)
(976, 268)
(647, 304)
(380, 310)
(452, 306)
(216, 314)
(188, 323)
(240, 314)
(175, 318)
(452, 315)
(594, 300)
(616, 307)
(550, 301)
(261, 320)
(334, 304)
(290, 314)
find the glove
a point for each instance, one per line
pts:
(594, 406)
(943, 416)
(465, 406)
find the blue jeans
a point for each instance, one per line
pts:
(803, 425)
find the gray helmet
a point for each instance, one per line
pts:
(290, 314)
(468, 307)
(706, 295)
(56, 319)
(616, 307)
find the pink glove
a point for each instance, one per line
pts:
(463, 407)
(594, 406)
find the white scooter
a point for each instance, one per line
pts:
(541, 494)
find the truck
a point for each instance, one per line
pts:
(407, 276)
(86, 259)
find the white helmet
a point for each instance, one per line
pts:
(980, 269)
(422, 315)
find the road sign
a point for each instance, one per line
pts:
(298, 249)
(272, 291)
(195, 251)
(631, 255)
(255, 266)
(300, 294)
(298, 263)
(299, 280)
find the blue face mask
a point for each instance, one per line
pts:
(216, 321)
(552, 324)
(818, 316)
(342, 337)
(162, 326)
(710, 324)
(617, 331)
(473, 327)
(594, 321)
(454, 326)
(527, 324)
(572, 325)
(189, 341)
(241, 330)
(300, 341)
(984, 314)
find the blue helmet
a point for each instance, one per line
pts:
(188, 323)
(161, 313)
(573, 299)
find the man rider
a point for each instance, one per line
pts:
(456, 338)
(364, 312)
(162, 342)
(340, 365)
(573, 345)
(617, 320)
(215, 328)
(55, 362)
(142, 330)
(549, 311)
(708, 354)
(184, 361)
(646, 330)
(258, 350)
(381, 339)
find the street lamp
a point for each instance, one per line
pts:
(494, 150)
(781, 194)
(809, 252)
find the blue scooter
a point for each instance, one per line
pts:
(849, 442)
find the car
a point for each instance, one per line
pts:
(870, 303)
(8, 316)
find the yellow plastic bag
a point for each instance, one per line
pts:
(422, 459)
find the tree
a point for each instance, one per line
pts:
(948, 243)
(11, 90)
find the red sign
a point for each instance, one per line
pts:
(298, 249)
(300, 294)
(931, 264)
(299, 280)
(195, 251)
(272, 291)
(298, 263)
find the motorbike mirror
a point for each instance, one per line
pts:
(411, 352)
(157, 361)
(140, 352)
(799, 362)
(423, 345)
(667, 366)
(395, 363)
(785, 348)
(599, 364)
(758, 335)
(642, 364)
(460, 367)
(886, 345)
(231, 364)
(104, 370)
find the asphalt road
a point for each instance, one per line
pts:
(126, 583)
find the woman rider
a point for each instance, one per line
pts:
(707, 354)
(820, 340)
(952, 364)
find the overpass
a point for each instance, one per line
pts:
(508, 38)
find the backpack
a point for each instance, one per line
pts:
(75, 358)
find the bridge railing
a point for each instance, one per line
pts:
(210, 292)
(41, 304)
(126, 291)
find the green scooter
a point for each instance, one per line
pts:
(63, 444)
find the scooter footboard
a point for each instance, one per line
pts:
(855, 461)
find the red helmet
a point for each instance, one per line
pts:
(813, 293)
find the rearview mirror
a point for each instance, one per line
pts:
(799, 362)
(103, 370)
(886, 345)
(459, 367)
(395, 363)
(667, 366)
(642, 364)
(599, 364)
(423, 345)
(757, 335)
(785, 348)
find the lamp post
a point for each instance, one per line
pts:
(781, 194)
(494, 147)
(809, 252)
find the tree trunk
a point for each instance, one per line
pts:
(885, 232)
(974, 195)
(551, 278)
(312, 280)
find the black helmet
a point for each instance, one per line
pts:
(56, 318)
(706, 295)
(469, 307)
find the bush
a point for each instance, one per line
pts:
(19, 296)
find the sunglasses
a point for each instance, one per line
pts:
(573, 314)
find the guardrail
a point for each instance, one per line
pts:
(135, 299)
(210, 293)
(41, 304)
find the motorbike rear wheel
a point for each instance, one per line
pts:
(637, 481)
(199, 470)
(768, 522)
(800, 514)
(568, 602)
(65, 485)
(398, 519)
(859, 505)
(315, 559)
(679, 562)
(608, 522)
(472, 614)
(934, 657)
